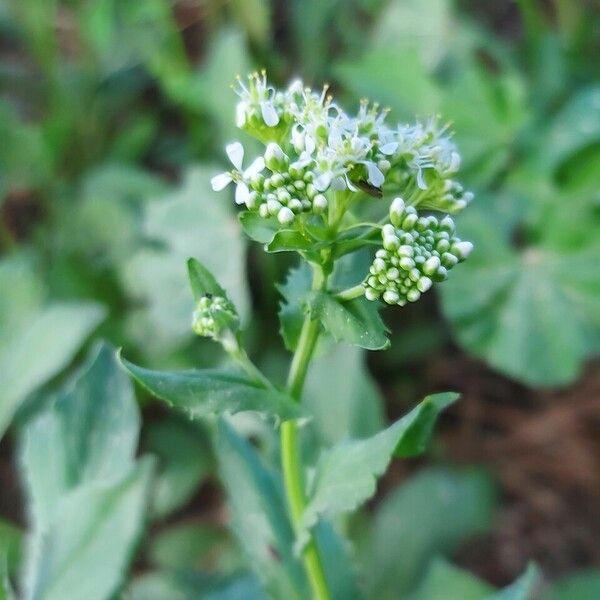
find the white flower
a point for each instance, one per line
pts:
(257, 95)
(235, 152)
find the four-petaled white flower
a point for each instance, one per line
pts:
(235, 152)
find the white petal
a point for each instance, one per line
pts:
(256, 167)
(269, 114)
(235, 152)
(389, 148)
(350, 185)
(341, 183)
(376, 177)
(220, 181)
(323, 181)
(241, 193)
(420, 181)
(309, 144)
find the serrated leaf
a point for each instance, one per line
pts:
(184, 460)
(203, 392)
(258, 516)
(346, 475)
(37, 340)
(202, 281)
(530, 314)
(356, 322)
(92, 521)
(444, 581)
(415, 515)
(89, 434)
(523, 588)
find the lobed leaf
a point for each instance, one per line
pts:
(346, 475)
(200, 393)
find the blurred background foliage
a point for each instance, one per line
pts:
(113, 117)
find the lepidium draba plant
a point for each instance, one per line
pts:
(366, 207)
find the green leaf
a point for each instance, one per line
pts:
(184, 461)
(202, 280)
(37, 340)
(356, 322)
(346, 475)
(582, 585)
(191, 585)
(259, 229)
(576, 126)
(341, 398)
(416, 516)
(444, 581)
(89, 434)
(194, 545)
(258, 516)
(530, 314)
(6, 591)
(523, 588)
(92, 521)
(291, 313)
(290, 240)
(200, 393)
(156, 277)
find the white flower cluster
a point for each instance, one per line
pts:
(313, 146)
(417, 251)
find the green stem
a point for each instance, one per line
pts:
(351, 293)
(291, 462)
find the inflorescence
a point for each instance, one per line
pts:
(314, 149)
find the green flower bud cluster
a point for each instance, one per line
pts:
(417, 251)
(287, 191)
(214, 316)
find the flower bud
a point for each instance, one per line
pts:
(285, 216)
(214, 316)
(319, 203)
(275, 157)
(397, 211)
(391, 297)
(462, 249)
(431, 265)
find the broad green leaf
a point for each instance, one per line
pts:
(576, 126)
(184, 460)
(415, 517)
(192, 585)
(88, 434)
(346, 475)
(524, 588)
(581, 585)
(356, 322)
(531, 314)
(194, 546)
(341, 398)
(291, 308)
(36, 340)
(191, 221)
(444, 581)
(84, 552)
(258, 516)
(200, 393)
(202, 280)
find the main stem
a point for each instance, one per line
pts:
(290, 450)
